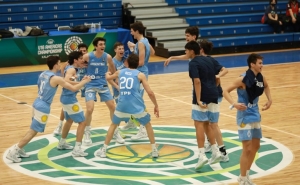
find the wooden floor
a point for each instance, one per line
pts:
(173, 91)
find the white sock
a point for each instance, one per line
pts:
(201, 150)
(87, 128)
(17, 147)
(214, 147)
(247, 173)
(220, 146)
(77, 144)
(61, 123)
(153, 146)
(62, 140)
(244, 178)
(105, 146)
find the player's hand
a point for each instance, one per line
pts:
(240, 106)
(267, 105)
(86, 78)
(202, 104)
(156, 112)
(294, 20)
(167, 61)
(108, 74)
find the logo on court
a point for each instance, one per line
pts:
(72, 44)
(132, 163)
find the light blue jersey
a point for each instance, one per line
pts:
(251, 114)
(80, 74)
(118, 65)
(64, 90)
(130, 102)
(46, 91)
(144, 68)
(248, 121)
(130, 99)
(41, 105)
(71, 107)
(97, 67)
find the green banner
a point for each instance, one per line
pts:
(35, 50)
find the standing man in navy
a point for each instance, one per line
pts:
(250, 86)
(47, 86)
(205, 101)
(98, 63)
(131, 102)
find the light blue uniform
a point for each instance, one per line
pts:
(71, 107)
(80, 74)
(144, 68)
(41, 105)
(118, 65)
(248, 121)
(97, 67)
(130, 100)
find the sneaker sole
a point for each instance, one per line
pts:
(13, 160)
(216, 161)
(203, 163)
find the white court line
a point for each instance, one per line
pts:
(24, 104)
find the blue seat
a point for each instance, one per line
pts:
(253, 39)
(61, 6)
(112, 22)
(226, 8)
(224, 19)
(180, 2)
(236, 29)
(58, 15)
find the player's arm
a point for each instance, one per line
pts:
(110, 76)
(180, 57)
(142, 51)
(111, 65)
(152, 51)
(236, 84)
(112, 70)
(86, 57)
(150, 93)
(197, 88)
(62, 68)
(222, 72)
(268, 94)
(70, 76)
(56, 80)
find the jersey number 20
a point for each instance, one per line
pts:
(126, 83)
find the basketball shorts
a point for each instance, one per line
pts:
(104, 93)
(249, 131)
(217, 114)
(143, 118)
(210, 113)
(72, 109)
(40, 114)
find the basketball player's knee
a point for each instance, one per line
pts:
(89, 110)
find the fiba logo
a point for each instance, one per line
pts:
(72, 44)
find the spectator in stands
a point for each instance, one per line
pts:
(292, 14)
(271, 17)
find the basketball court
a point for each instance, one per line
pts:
(276, 162)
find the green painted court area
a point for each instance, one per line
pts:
(132, 163)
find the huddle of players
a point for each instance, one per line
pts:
(205, 73)
(127, 81)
